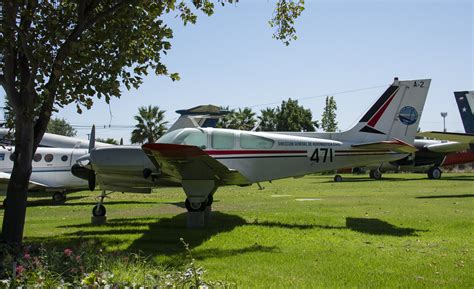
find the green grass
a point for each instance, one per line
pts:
(402, 231)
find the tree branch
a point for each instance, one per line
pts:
(84, 23)
(9, 12)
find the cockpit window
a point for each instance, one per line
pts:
(222, 140)
(248, 141)
(169, 137)
(192, 137)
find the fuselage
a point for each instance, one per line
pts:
(51, 167)
(258, 156)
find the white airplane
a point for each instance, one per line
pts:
(52, 164)
(202, 159)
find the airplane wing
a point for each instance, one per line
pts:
(392, 145)
(467, 138)
(5, 178)
(185, 162)
(447, 147)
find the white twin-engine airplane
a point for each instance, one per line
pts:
(202, 159)
(52, 165)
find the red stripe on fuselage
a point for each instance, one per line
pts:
(252, 152)
(373, 121)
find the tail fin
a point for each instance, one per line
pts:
(395, 115)
(465, 101)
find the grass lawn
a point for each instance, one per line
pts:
(402, 231)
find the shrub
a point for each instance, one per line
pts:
(89, 266)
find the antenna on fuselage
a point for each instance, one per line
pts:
(92, 139)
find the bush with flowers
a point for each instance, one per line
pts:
(88, 266)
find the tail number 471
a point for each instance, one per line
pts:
(322, 155)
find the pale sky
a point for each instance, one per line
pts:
(231, 59)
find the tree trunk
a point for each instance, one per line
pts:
(15, 208)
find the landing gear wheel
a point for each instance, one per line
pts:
(4, 203)
(98, 211)
(337, 178)
(59, 197)
(375, 174)
(434, 173)
(195, 207)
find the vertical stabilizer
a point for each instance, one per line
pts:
(465, 101)
(394, 116)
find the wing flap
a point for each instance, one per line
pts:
(184, 162)
(393, 145)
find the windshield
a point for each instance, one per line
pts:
(169, 137)
(195, 137)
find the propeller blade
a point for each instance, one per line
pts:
(92, 139)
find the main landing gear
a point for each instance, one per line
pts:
(337, 178)
(59, 197)
(99, 211)
(375, 174)
(434, 173)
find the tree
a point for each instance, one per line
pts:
(150, 126)
(328, 120)
(60, 126)
(293, 117)
(107, 140)
(55, 53)
(228, 120)
(268, 119)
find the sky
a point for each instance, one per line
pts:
(349, 49)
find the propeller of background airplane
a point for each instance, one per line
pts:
(81, 170)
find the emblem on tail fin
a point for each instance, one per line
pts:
(408, 115)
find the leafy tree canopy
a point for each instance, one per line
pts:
(60, 126)
(294, 117)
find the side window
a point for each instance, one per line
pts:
(195, 138)
(222, 140)
(2, 157)
(248, 141)
(48, 158)
(37, 157)
(64, 158)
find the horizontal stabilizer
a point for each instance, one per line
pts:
(184, 162)
(467, 138)
(393, 145)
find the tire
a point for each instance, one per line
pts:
(98, 211)
(337, 178)
(194, 207)
(434, 173)
(59, 197)
(376, 175)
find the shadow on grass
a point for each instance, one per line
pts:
(162, 237)
(378, 227)
(446, 196)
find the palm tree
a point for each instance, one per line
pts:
(268, 119)
(245, 119)
(150, 125)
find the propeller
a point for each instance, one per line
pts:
(83, 168)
